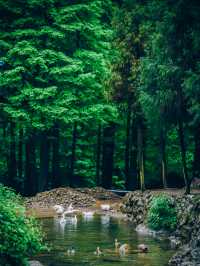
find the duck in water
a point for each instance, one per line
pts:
(117, 243)
(98, 252)
(123, 249)
(143, 248)
(71, 251)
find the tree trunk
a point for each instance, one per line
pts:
(98, 160)
(73, 155)
(163, 157)
(183, 156)
(56, 158)
(108, 155)
(182, 139)
(44, 161)
(12, 167)
(5, 144)
(20, 154)
(196, 162)
(133, 175)
(30, 186)
(127, 149)
(140, 145)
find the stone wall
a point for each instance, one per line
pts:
(187, 234)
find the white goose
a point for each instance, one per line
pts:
(105, 207)
(59, 209)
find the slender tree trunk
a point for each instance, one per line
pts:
(127, 149)
(140, 142)
(56, 158)
(44, 161)
(108, 155)
(98, 160)
(163, 156)
(30, 186)
(12, 170)
(183, 156)
(196, 162)
(182, 140)
(73, 155)
(133, 176)
(20, 153)
(5, 144)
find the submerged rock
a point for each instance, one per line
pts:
(175, 242)
(144, 230)
(35, 263)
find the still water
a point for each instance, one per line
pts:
(87, 233)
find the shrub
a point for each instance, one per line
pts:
(20, 236)
(118, 182)
(162, 214)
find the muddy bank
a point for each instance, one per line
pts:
(82, 199)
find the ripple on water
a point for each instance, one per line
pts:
(99, 230)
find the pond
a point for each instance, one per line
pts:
(87, 233)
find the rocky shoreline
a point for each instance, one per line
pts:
(82, 199)
(79, 198)
(134, 206)
(186, 238)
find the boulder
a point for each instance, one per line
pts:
(35, 263)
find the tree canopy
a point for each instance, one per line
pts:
(99, 93)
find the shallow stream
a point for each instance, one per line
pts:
(100, 230)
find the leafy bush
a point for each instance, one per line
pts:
(20, 236)
(162, 214)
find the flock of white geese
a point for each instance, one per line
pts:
(64, 214)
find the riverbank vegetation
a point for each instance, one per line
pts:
(99, 93)
(20, 236)
(162, 214)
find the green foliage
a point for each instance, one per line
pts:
(72, 62)
(55, 70)
(20, 236)
(118, 182)
(162, 214)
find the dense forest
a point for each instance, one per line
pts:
(99, 92)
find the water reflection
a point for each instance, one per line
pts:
(105, 220)
(91, 231)
(88, 216)
(60, 223)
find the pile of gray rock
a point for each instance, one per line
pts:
(187, 234)
(62, 196)
(135, 205)
(188, 231)
(99, 193)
